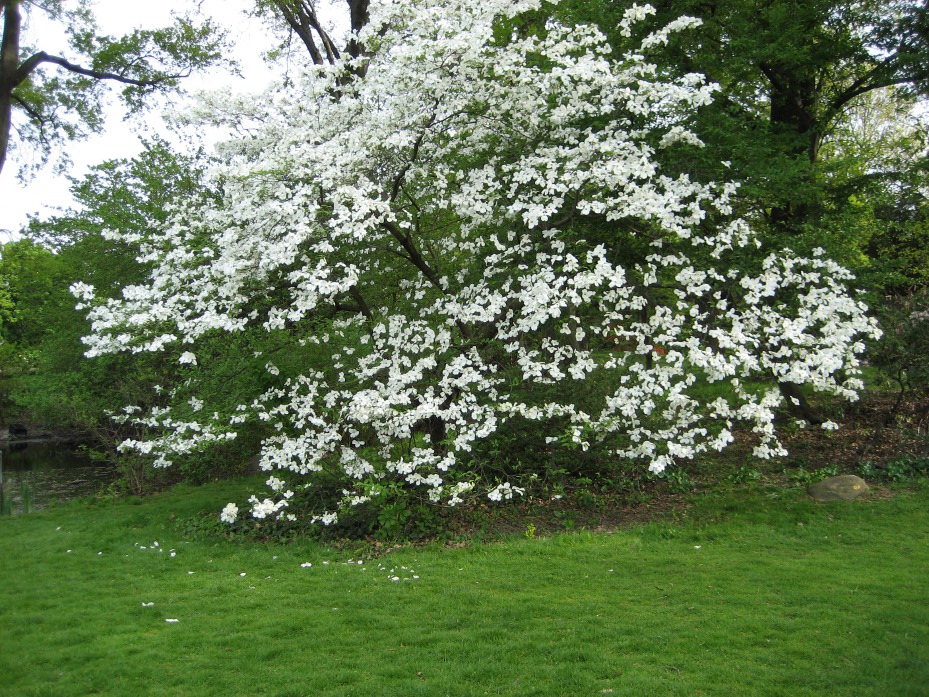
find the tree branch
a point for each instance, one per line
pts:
(358, 14)
(362, 305)
(414, 256)
(862, 86)
(303, 31)
(28, 109)
(769, 73)
(398, 180)
(29, 65)
(303, 19)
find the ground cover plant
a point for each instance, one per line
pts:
(758, 591)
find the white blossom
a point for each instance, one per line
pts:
(187, 358)
(230, 513)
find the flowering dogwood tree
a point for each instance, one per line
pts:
(460, 238)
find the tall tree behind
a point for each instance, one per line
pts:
(302, 19)
(46, 99)
(791, 72)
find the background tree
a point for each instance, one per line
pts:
(46, 379)
(33, 282)
(47, 98)
(877, 165)
(301, 18)
(793, 76)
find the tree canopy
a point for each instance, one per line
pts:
(47, 98)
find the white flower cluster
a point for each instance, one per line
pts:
(434, 207)
(505, 491)
(230, 513)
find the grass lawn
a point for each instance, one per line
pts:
(750, 593)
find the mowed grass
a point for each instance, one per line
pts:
(750, 594)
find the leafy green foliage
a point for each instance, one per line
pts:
(905, 469)
(903, 352)
(47, 99)
(803, 478)
(46, 376)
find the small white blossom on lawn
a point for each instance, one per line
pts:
(230, 513)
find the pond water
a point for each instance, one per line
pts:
(49, 472)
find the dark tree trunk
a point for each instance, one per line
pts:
(9, 66)
(797, 404)
(359, 18)
(792, 102)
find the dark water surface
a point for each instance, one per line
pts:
(50, 472)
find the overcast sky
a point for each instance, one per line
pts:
(46, 192)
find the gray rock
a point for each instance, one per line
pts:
(842, 488)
